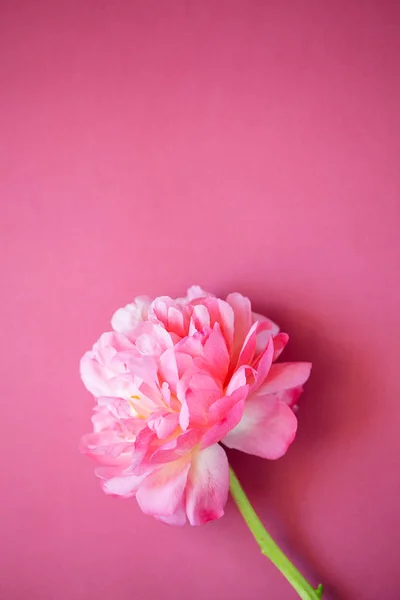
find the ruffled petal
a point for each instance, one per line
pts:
(285, 376)
(161, 492)
(242, 321)
(194, 292)
(178, 518)
(93, 377)
(125, 320)
(280, 342)
(267, 428)
(125, 485)
(269, 329)
(207, 486)
(225, 413)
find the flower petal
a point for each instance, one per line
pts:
(285, 376)
(207, 486)
(161, 492)
(202, 390)
(216, 354)
(125, 320)
(163, 424)
(125, 486)
(93, 376)
(280, 342)
(269, 329)
(289, 397)
(178, 518)
(242, 321)
(267, 428)
(194, 292)
(263, 364)
(226, 414)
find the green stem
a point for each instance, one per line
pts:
(268, 547)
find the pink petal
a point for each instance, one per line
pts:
(269, 328)
(222, 313)
(226, 414)
(226, 319)
(207, 485)
(93, 376)
(184, 416)
(107, 448)
(216, 354)
(125, 320)
(280, 342)
(249, 347)
(178, 518)
(176, 321)
(200, 317)
(113, 340)
(176, 448)
(125, 486)
(154, 342)
(267, 428)
(289, 397)
(242, 321)
(263, 365)
(170, 313)
(158, 310)
(161, 492)
(143, 449)
(249, 350)
(202, 391)
(140, 366)
(284, 376)
(163, 424)
(240, 378)
(193, 345)
(119, 408)
(194, 292)
(273, 327)
(168, 368)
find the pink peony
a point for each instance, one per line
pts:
(172, 380)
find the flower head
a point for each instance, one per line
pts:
(173, 380)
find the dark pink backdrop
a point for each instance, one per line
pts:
(250, 146)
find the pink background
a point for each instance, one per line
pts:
(250, 146)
